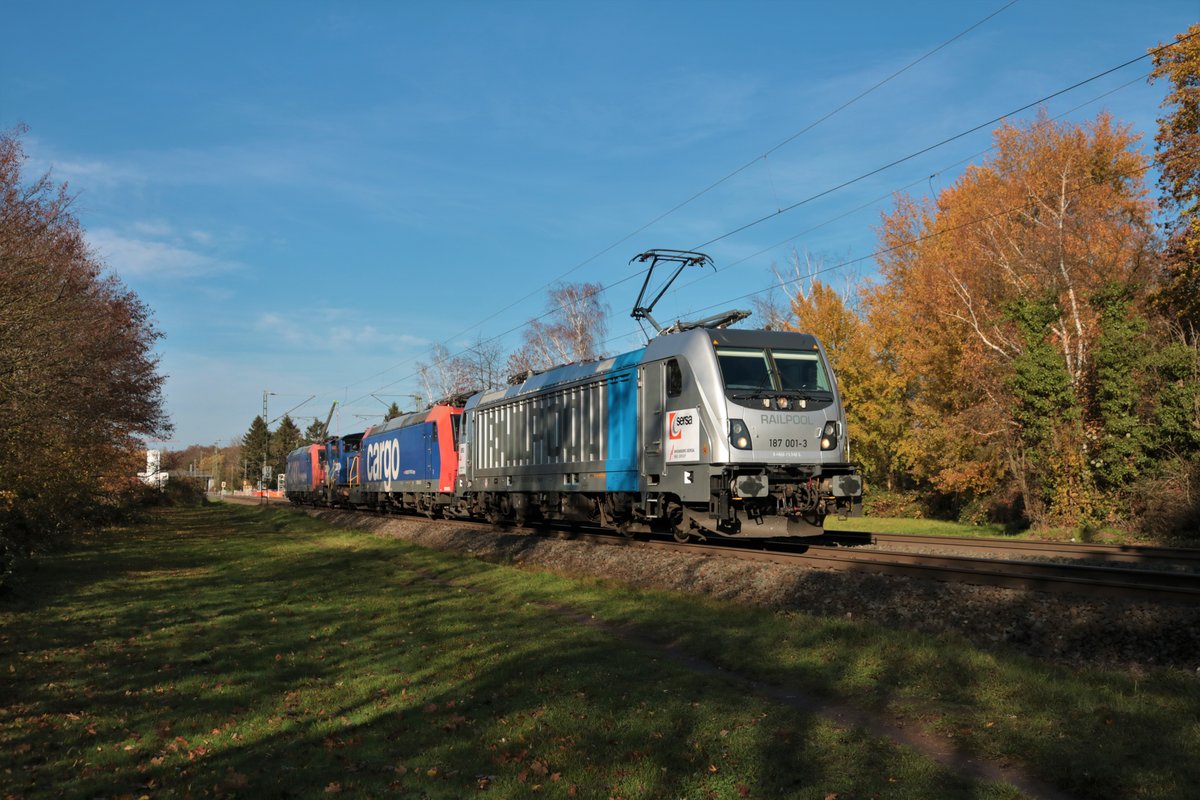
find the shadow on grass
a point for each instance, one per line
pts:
(234, 652)
(1095, 733)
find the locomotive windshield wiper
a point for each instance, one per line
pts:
(756, 394)
(808, 394)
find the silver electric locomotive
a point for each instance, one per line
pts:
(705, 431)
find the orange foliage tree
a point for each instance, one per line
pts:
(78, 376)
(1177, 148)
(860, 343)
(991, 275)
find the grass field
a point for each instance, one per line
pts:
(922, 527)
(241, 652)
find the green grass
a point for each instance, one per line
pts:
(922, 527)
(937, 527)
(234, 651)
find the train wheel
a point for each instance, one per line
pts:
(676, 520)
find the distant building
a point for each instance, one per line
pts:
(154, 474)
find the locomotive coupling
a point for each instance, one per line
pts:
(753, 485)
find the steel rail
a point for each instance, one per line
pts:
(1123, 553)
(1127, 584)
(1138, 584)
(1096, 581)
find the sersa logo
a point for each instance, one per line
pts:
(683, 435)
(678, 423)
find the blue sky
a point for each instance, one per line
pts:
(311, 195)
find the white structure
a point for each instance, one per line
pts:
(154, 474)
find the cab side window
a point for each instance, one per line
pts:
(674, 379)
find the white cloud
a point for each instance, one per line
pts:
(90, 173)
(153, 228)
(323, 330)
(149, 251)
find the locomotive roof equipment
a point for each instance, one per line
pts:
(683, 258)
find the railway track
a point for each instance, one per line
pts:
(1124, 582)
(1131, 583)
(1178, 559)
(1129, 579)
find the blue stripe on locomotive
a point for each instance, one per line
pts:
(409, 453)
(621, 466)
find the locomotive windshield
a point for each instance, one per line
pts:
(745, 369)
(767, 370)
(800, 371)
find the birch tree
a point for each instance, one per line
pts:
(1056, 213)
(573, 329)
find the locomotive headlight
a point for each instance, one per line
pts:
(783, 403)
(829, 435)
(739, 436)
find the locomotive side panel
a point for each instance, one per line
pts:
(573, 429)
(545, 442)
(399, 460)
(415, 453)
(621, 432)
(302, 478)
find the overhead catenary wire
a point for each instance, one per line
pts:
(942, 143)
(914, 241)
(705, 276)
(831, 190)
(697, 195)
(637, 275)
(875, 254)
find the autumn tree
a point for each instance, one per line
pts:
(1177, 156)
(482, 361)
(183, 460)
(773, 308)
(78, 376)
(995, 280)
(573, 329)
(879, 392)
(1175, 367)
(224, 464)
(858, 336)
(444, 374)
